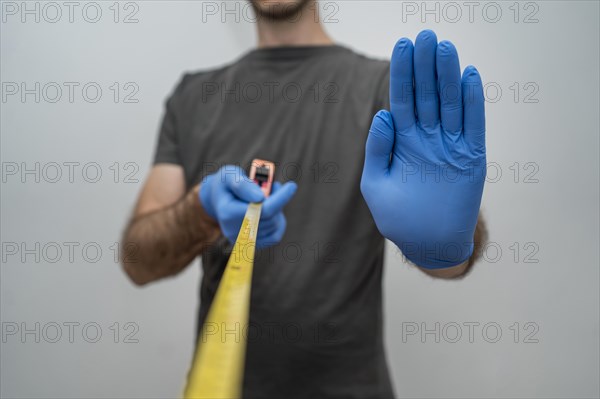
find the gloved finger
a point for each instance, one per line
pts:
(268, 225)
(426, 94)
(268, 228)
(448, 71)
(401, 85)
(231, 210)
(276, 186)
(474, 109)
(231, 229)
(274, 238)
(240, 184)
(265, 231)
(278, 199)
(269, 220)
(379, 146)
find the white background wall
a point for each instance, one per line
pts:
(549, 209)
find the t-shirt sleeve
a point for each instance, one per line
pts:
(167, 145)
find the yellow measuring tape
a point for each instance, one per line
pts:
(218, 368)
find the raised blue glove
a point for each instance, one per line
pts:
(225, 196)
(425, 161)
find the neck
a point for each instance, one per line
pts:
(302, 30)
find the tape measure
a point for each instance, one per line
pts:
(218, 367)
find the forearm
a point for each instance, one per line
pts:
(460, 271)
(161, 243)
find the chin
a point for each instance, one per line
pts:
(278, 9)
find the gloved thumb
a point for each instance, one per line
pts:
(281, 195)
(379, 145)
(242, 187)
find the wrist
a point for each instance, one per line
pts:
(437, 255)
(448, 272)
(202, 193)
(205, 227)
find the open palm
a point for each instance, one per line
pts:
(425, 161)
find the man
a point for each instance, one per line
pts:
(307, 104)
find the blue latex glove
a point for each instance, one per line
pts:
(425, 161)
(225, 196)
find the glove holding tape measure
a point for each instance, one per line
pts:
(424, 169)
(225, 196)
(218, 367)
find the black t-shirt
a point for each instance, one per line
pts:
(316, 304)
